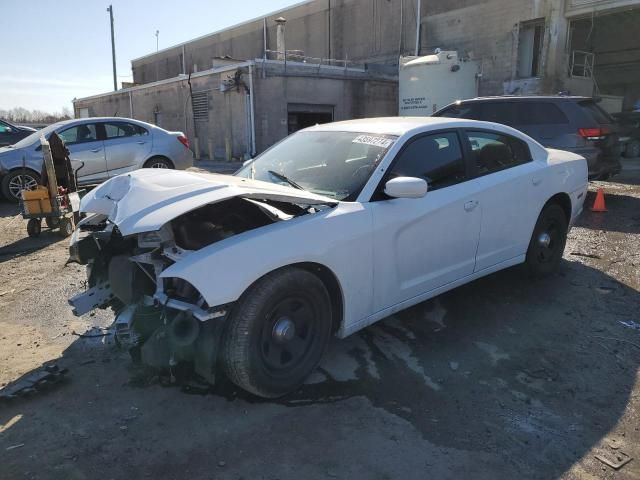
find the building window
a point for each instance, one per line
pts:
(530, 42)
(200, 104)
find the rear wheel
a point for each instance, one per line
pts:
(16, 181)
(277, 333)
(548, 241)
(158, 162)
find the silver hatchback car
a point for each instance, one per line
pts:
(108, 146)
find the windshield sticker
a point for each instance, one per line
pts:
(381, 142)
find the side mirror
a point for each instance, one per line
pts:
(406, 187)
(247, 162)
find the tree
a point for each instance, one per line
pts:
(22, 115)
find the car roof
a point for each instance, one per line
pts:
(525, 98)
(386, 125)
(103, 119)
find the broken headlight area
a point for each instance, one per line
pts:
(163, 321)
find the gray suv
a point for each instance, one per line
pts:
(106, 146)
(576, 124)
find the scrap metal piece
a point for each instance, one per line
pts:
(32, 382)
(615, 460)
(95, 297)
(124, 327)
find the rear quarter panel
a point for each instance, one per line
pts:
(568, 173)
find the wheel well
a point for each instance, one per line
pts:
(26, 169)
(564, 201)
(333, 287)
(163, 158)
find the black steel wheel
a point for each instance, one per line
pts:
(34, 227)
(277, 333)
(548, 241)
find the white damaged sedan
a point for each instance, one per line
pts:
(330, 230)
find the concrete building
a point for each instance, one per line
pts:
(342, 56)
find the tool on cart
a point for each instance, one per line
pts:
(57, 200)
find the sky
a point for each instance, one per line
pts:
(57, 51)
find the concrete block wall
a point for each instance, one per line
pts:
(358, 30)
(168, 105)
(349, 97)
(485, 30)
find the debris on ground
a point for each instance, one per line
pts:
(586, 255)
(33, 382)
(12, 447)
(90, 335)
(631, 324)
(616, 459)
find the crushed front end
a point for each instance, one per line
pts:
(162, 321)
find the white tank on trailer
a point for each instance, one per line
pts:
(431, 82)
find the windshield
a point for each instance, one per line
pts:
(334, 164)
(35, 136)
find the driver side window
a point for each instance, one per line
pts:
(435, 158)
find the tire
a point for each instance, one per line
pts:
(66, 227)
(12, 182)
(52, 222)
(158, 162)
(545, 253)
(277, 333)
(34, 227)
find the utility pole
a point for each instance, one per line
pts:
(113, 49)
(418, 26)
(157, 33)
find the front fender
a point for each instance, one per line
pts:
(338, 238)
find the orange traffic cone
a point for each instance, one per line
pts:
(598, 205)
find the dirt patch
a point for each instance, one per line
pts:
(502, 378)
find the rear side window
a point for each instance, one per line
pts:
(435, 158)
(499, 112)
(594, 111)
(123, 129)
(470, 111)
(540, 113)
(495, 151)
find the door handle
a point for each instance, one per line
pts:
(536, 181)
(141, 143)
(96, 150)
(471, 205)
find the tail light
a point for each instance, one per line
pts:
(184, 140)
(594, 133)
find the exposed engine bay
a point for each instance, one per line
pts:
(165, 321)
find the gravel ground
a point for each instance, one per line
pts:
(502, 378)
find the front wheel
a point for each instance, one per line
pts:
(14, 182)
(277, 333)
(548, 241)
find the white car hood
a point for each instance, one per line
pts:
(144, 200)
